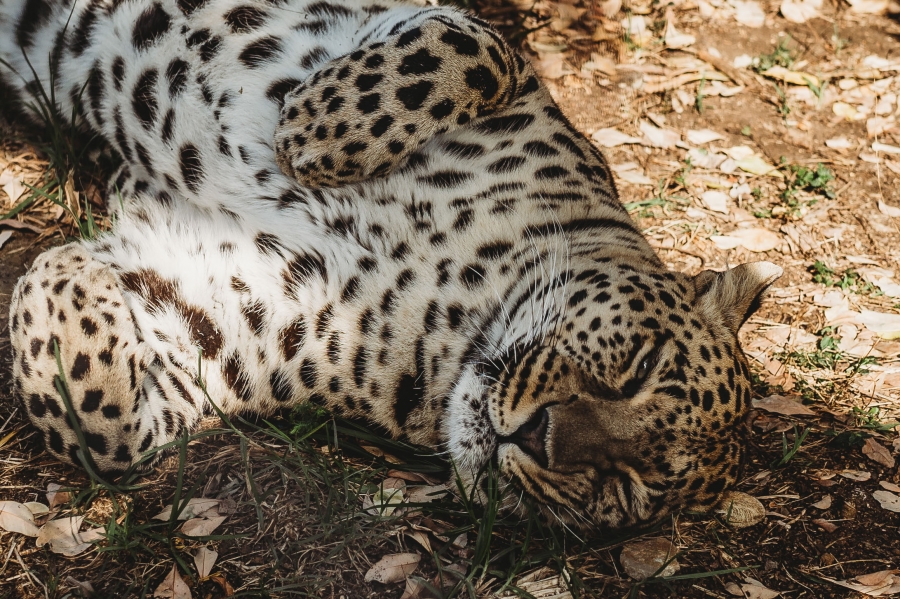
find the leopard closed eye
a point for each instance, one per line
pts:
(376, 207)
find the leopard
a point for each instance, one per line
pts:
(375, 207)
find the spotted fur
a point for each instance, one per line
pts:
(448, 260)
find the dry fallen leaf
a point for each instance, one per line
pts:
(425, 493)
(844, 110)
(4, 237)
(635, 178)
(609, 8)
(201, 527)
(757, 165)
(715, 200)
(749, 13)
(15, 517)
(55, 497)
(610, 138)
(754, 589)
(85, 587)
(740, 510)
(638, 30)
(839, 143)
(877, 452)
(885, 148)
(194, 508)
(393, 567)
(890, 486)
(173, 587)
(755, 239)
(891, 211)
(205, 559)
(415, 589)
(824, 503)
(37, 508)
(859, 476)
(788, 76)
(421, 538)
(786, 406)
(703, 136)
(886, 325)
(643, 559)
(658, 138)
(800, 11)
(876, 584)
(888, 500)
(64, 536)
(868, 7)
(676, 39)
(552, 66)
(825, 524)
(12, 186)
(878, 125)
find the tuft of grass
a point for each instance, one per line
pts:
(783, 109)
(781, 56)
(804, 187)
(789, 450)
(848, 280)
(65, 142)
(872, 418)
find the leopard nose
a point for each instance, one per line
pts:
(531, 437)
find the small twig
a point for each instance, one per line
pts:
(708, 592)
(31, 576)
(681, 250)
(8, 555)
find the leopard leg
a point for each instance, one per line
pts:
(125, 402)
(363, 114)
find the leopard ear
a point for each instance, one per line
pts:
(734, 295)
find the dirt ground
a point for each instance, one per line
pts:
(754, 137)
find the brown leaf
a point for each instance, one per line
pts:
(205, 559)
(393, 567)
(786, 406)
(421, 538)
(55, 497)
(755, 239)
(825, 525)
(426, 493)
(414, 590)
(85, 587)
(194, 507)
(890, 486)
(877, 584)
(15, 517)
(222, 582)
(859, 476)
(740, 510)
(756, 590)
(413, 477)
(643, 559)
(877, 452)
(201, 527)
(173, 587)
(824, 503)
(888, 500)
(64, 536)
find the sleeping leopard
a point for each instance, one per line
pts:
(373, 206)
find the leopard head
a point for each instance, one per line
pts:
(632, 405)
